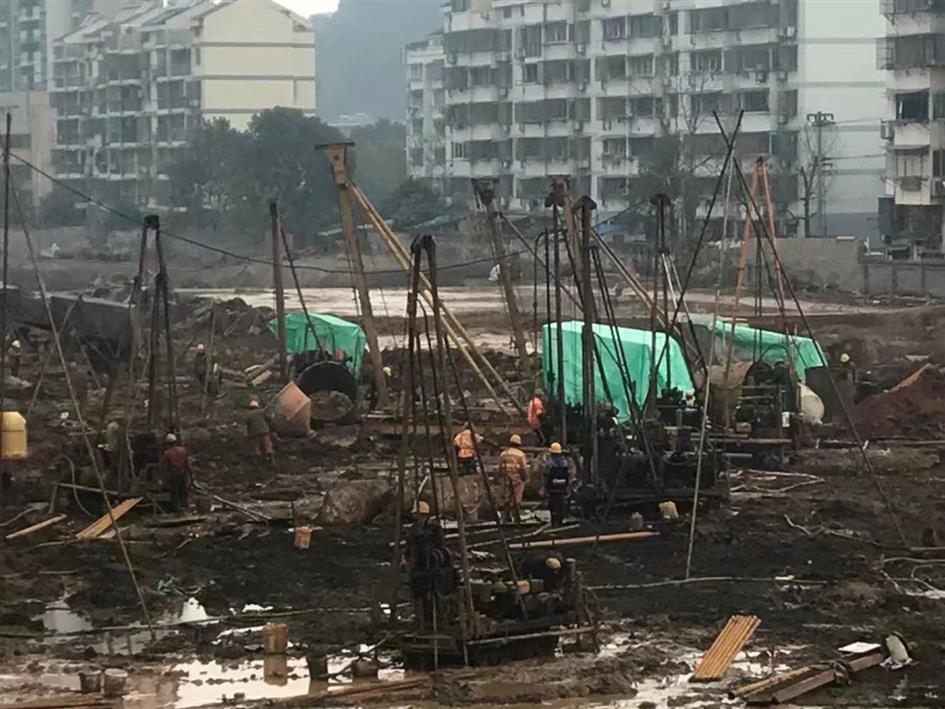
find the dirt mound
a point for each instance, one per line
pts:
(915, 408)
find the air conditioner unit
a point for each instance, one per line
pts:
(761, 76)
(607, 125)
(451, 58)
(784, 119)
(506, 163)
(783, 75)
(506, 128)
(789, 31)
(887, 130)
(582, 87)
(503, 92)
(581, 48)
(938, 187)
(579, 127)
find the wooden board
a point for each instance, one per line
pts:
(36, 527)
(717, 659)
(104, 522)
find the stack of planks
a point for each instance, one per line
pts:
(717, 659)
(99, 526)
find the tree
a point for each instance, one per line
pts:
(380, 160)
(213, 175)
(413, 202)
(815, 177)
(58, 208)
(287, 167)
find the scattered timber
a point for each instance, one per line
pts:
(36, 527)
(104, 522)
(717, 659)
(576, 541)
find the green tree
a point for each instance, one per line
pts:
(58, 208)
(287, 167)
(414, 202)
(380, 159)
(213, 176)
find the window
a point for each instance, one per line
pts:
(913, 106)
(645, 26)
(615, 147)
(615, 67)
(706, 62)
(938, 163)
(558, 32)
(614, 28)
(938, 105)
(416, 72)
(703, 104)
(674, 23)
(480, 76)
(507, 12)
(753, 101)
(641, 66)
(708, 20)
(459, 150)
(416, 156)
(197, 56)
(641, 148)
(641, 106)
(460, 5)
(670, 64)
(530, 73)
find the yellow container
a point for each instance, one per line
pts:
(14, 436)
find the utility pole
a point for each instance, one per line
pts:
(485, 193)
(337, 157)
(588, 370)
(277, 286)
(819, 121)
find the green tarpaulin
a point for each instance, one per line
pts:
(637, 347)
(752, 343)
(333, 334)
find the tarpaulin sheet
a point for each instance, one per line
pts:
(333, 333)
(752, 343)
(637, 347)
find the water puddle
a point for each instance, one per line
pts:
(65, 625)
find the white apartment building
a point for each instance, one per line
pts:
(913, 53)
(591, 89)
(128, 89)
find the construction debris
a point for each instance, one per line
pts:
(36, 527)
(103, 523)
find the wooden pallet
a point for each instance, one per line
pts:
(717, 659)
(105, 521)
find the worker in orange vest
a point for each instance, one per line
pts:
(465, 443)
(536, 408)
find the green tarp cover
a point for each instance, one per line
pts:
(752, 342)
(637, 348)
(333, 334)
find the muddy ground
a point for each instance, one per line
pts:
(822, 530)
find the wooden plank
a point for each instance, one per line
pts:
(36, 527)
(60, 702)
(104, 522)
(728, 643)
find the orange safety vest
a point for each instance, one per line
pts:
(535, 409)
(464, 444)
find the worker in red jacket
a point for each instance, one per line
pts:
(176, 470)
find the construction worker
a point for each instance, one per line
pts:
(258, 431)
(177, 471)
(547, 566)
(557, 483)
(14, 354)
(513, 464)
(207, 373)
(465, 443)
(536, 408)
(847, 368)
(427, 559)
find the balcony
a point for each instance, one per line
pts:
(909, 7)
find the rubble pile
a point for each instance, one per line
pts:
(915, 409)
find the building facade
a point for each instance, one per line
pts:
(32, 134)
(913, 55)
(128, 89)
(620, 94)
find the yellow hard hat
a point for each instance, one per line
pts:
(15, 344)
(200, 347)
(421, 508)
(844, 358)
(555, 447)
(254, 404)
(553, 562)
(515, 440)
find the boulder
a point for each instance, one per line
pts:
(355, 502)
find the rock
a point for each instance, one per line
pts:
(471, 495)
(355, 502)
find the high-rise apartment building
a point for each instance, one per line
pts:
(619, 95)
(913, 53)
(128, 89)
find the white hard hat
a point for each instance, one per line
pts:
(15, 344)
(170, 438)
(200, 347)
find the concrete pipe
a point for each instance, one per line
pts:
(333, 390)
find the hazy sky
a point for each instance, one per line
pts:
(307, 8)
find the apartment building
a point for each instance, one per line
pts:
(31, 137)
(913, 54)
(128, 89)
(615, 92)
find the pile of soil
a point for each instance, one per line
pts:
(916, 410)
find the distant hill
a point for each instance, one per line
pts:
(359, 55)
